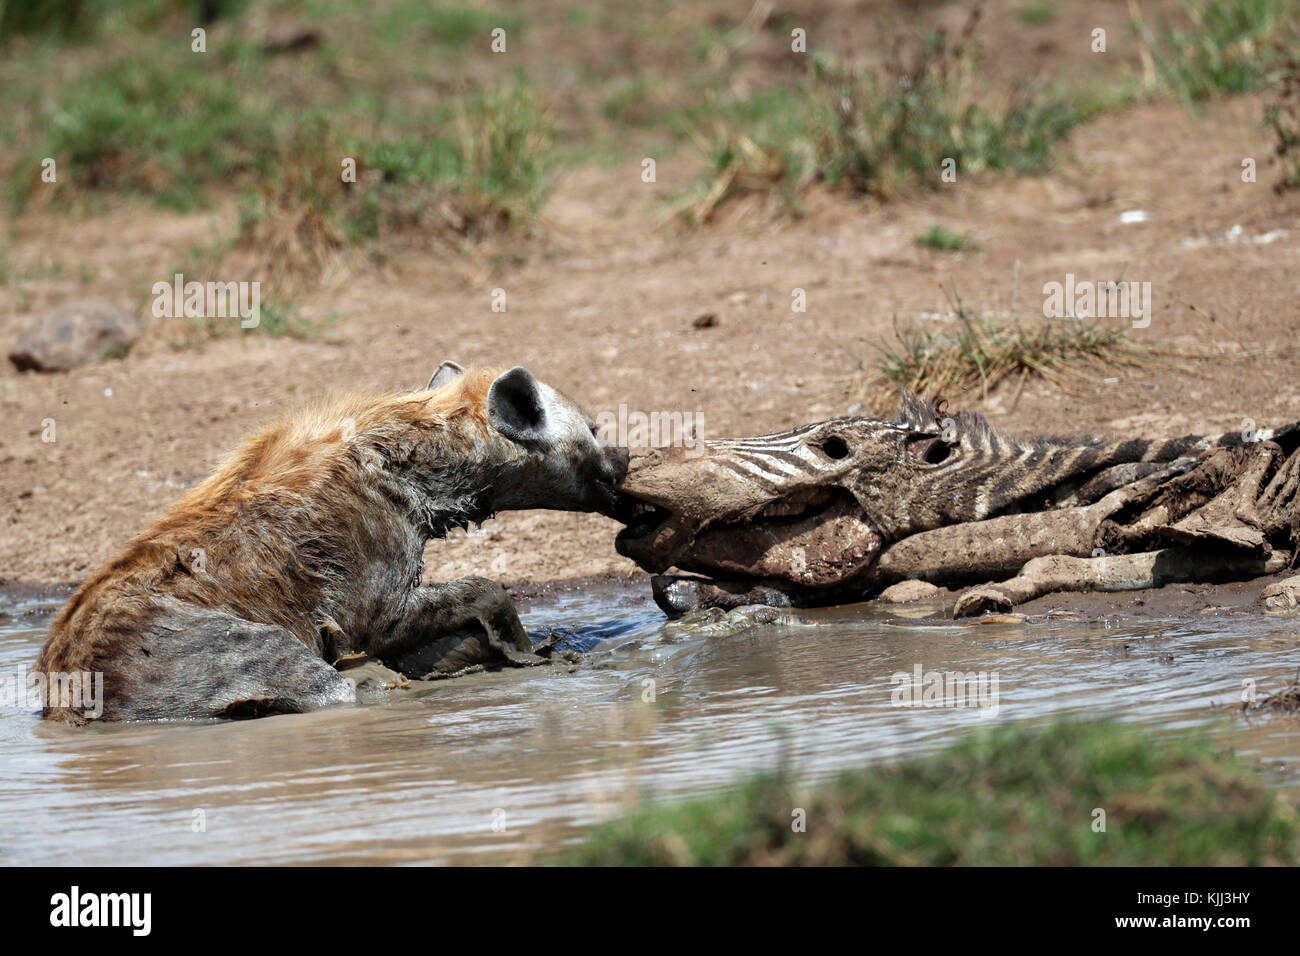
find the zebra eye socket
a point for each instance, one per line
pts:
(932, 451)
(835, 448)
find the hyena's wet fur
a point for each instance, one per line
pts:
(306, 547)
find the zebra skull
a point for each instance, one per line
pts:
(812, 508)
(800, 507)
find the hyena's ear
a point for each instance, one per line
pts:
(446, 372)
(516, 406)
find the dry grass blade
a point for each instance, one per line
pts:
(743, 168)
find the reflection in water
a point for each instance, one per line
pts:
(515, 761)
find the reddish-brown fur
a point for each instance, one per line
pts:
(306, 457)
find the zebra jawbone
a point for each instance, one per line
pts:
(666, 497)
(782, 515)
(814, 537)
(808, 547)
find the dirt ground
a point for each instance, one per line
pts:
(604, 310)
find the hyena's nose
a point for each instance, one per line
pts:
(616, 460)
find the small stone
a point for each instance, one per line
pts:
(906, 591)
(75, 334)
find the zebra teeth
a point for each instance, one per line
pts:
(638, 514)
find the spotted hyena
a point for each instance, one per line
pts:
(306, 547)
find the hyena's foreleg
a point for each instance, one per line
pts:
(199, 662)
(1122, 572)
(448, 627)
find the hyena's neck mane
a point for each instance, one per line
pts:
(359, 442)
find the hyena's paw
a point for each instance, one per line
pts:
(466, 623)
(489, 603)
(982, 599)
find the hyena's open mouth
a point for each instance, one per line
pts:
(812, 538)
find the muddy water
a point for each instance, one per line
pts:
(499, 766)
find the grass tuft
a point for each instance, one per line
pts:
(488, 177)
(945, 240)
(443, 27)
(877, 131)
(143, 126)
(1036, 14)
(1011, 795)
(985, 351)
(1223, 46)
(1282, 115)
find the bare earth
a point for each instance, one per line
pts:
(603, 308)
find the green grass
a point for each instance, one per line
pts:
(577, 18)
(172, 130)
(83, 20)
(165, 127)
(146, 117)
(945, 240)
(879, 131)
(1006, 796)
(276, 319)
(481, 167)
(1036, 14)
(287, 320)
(910, 129)
(488, 167)
(446, 28)
(1222, 47)
(26, 17)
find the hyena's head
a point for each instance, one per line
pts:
(539, 449)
